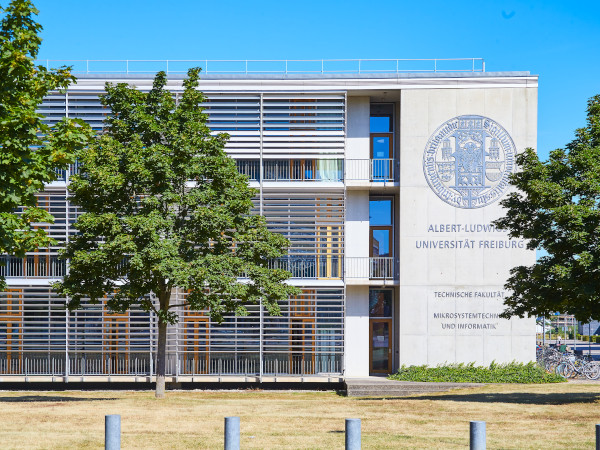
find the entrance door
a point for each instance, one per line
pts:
(11, 343)
(380, 252)
(302, 346)
(116, 343)
(196, 338)
(380, 354)
(381, 156)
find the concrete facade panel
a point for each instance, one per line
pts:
(452, 256)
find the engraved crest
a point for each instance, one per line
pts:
(467, 161)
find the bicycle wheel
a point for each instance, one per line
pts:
(565, 370)
(591, 370)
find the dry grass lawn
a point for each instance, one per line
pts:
(517, 416)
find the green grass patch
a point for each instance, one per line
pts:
(470, 373)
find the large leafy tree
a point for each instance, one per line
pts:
(30, 151)
(165, 209)
(557, 208)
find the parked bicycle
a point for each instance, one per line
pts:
(566, 364)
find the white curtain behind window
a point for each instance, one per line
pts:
(329, 169)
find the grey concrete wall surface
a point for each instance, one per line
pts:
(453, 263)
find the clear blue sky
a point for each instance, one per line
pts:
(557, 40)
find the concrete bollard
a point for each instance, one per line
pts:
(232, 433)
(597, 437)
(477, 435)
(353, 434)
(112, 432)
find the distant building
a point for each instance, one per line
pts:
(590, 329)
(385, 182)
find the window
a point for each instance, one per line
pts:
(382, 118)
(380, 221)
(381, 127)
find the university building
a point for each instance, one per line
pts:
(384, 180)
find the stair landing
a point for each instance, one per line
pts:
(382, 387)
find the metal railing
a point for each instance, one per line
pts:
(374, 170)
(269, 66)
(63, 174)
(325, 266)
(374, 268)
(33, 266)
(249, 167)
(175, 365)
(331, 170)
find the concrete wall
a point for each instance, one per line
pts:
(356, 237)
(357, 138)
(430, 278)
(356, 333)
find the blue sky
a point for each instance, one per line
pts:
(557, 40)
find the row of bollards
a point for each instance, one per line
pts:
(232, 433)
(112, 434)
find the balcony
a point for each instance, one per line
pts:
(63, 175)
(38, 265)
(371, 270)
(291, 170)
(371, 172)
(328, 267)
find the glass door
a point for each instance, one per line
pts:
(381, 156)
(381, 345)
(302, 346)
(116, 343)
(11, 343)
(196, 340)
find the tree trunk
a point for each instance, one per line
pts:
(161, 353)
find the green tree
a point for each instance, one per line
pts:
(166, 208)
(30, 151)
(557, 208)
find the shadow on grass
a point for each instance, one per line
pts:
(527, 398)
(49, 398)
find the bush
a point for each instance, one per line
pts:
(469, 373)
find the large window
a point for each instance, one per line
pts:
(380, 330)
(381, 128)
(380, 226)
(382, 118)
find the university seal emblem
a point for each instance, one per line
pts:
(468, 160)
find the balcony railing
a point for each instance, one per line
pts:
(373, 170)
(32, 266)
(320, 267)
(62, 174)
(374, 268)
(186, 364)
(293, 169)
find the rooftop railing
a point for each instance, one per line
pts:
(268, 66)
